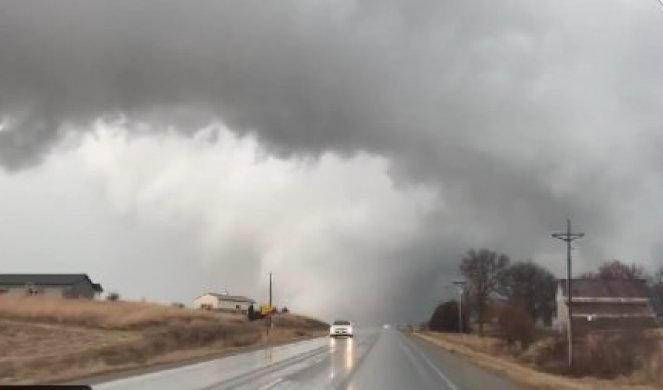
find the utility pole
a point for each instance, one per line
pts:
(270, 300)
(569, 237)
(461, 287)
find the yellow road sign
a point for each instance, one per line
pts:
(266, 310)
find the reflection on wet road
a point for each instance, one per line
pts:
(374, 359)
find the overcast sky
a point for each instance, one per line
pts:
(355, 148)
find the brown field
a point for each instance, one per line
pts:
(489, 352)
(97, 314)
(47, 340)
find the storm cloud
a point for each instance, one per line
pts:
(511, 115)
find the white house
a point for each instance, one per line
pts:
(225, 301)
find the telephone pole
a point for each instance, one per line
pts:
(569, 237)
(461, 290)
(270, 300)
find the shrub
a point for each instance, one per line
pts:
(113, 297)
(600, 354)
(611, 354)
(515, 325)
(251, 314)
(548, 354)
(445, 318)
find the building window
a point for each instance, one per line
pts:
(238, 307)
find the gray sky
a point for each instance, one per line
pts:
(170, 148)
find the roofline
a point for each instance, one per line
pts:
(220, 295)
(86, 276)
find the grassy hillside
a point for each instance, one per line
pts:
(45, 340)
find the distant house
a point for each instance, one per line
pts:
(605, 303)
(214, 301)
(49, 285)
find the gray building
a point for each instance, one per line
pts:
(49, 285)
(605, 303)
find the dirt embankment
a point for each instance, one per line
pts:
(489, 353)
(49, 340)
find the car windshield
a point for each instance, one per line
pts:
(341, 322)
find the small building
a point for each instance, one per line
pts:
(604, 304)
(225, 301)
(50, 285)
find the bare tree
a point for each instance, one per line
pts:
(531, 287)
(482, 271)
(616, 269)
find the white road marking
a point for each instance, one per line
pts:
(416, 362)
(446, 380)
(271, 384)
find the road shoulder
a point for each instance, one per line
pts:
(518, 373)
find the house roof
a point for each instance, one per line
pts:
(47, 279)
(231, 298)
(607, 288)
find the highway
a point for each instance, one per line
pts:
(373, 359)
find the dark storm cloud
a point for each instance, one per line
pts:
(519, 113)
(307, 76)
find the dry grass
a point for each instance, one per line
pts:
(299, 322)
(23, 340)
(97, 314)
(652, 372)
(487, 344)
(627, 357)
(45, 340)
(487, 353)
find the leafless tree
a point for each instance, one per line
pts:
(616, 269)
(482, 271)
(531, 287)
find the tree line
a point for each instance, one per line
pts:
(527, 288)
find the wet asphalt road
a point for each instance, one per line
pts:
(373, 359)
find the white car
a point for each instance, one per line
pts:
(341, 328)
